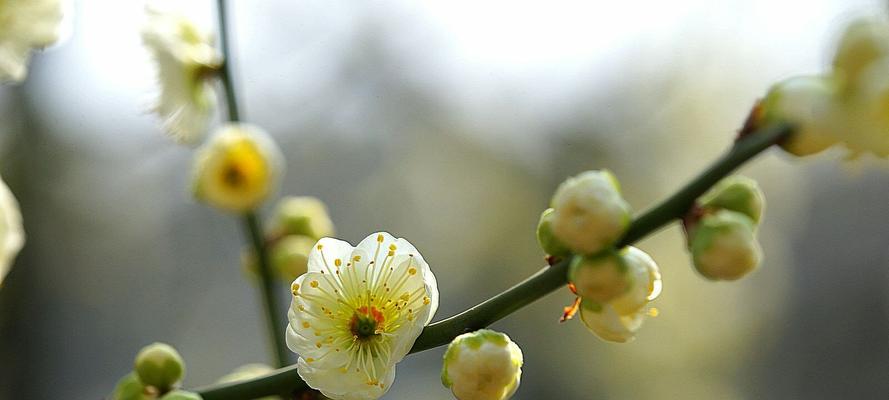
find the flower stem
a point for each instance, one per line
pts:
(540, 284)
(252, 225)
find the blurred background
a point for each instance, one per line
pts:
(449, 123)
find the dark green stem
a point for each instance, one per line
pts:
(540, 284)
(231, 100)
(273, 309)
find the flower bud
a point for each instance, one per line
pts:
(482, 365)
(723, 246)
(290, 256)
(646, 282)
(237, 169)
(599, 278)
(865, 41)
(807, 103)
(607, 324)
(304, 215)
(129, 388)
(181, 395)
(546, 238)
(736, 193)
(589, 213)
(159, 365)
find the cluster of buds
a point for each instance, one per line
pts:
(845, 105)
(297, 224)
(614, 285)
(482, 365)
(721, 230)
(158, 372)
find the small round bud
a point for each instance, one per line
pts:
(865, 41)
(160, 365)
(482, 365)
(607, 324)
(290, 256)
(646, 278)
(546, 238)
(129, 388)
(305, 216)
(736, 193)
(599, 278)
(237, 169)
(589, 213)
(807, 103)
(723, 246)
(181, 395)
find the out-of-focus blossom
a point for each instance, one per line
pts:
(12, 236)
(25, 25)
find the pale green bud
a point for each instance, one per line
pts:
(482, 365)
(290, 256)
(736, 193)
(130, 388)
(600, 278)
(305, 216)
(589, 213)
(808, 103)
(723, 245)
(548, 241)
(160, 365)
(181, 395)
(864, 42)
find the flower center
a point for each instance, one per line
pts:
(365, 321)
(233, 175)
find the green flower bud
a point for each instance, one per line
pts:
(864, 42)
(600, 278)
(723, 246)
(160, 365)
(589, 213)
(305, 216)
(546, 238)
(129, 388)
(807, 102)
(482, 365)
(290, 256)
(181, 395)
(736, 193)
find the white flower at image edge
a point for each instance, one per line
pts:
(357, 312)
(186, 59)
(12, 237)
(25, 25)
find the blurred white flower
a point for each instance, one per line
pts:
(186, 61)
(482, 365)
(12, 236)
(25, 25)
(619, 319)
(589, 212)
(357, 312)
(237, 169)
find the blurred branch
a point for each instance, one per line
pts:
(252, 224)
(549, 279)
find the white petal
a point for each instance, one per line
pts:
(350, 385)
(12, 237)
(610, 326)
(324, 259)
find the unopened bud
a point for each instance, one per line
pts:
(237, 169)
(607, 324)
(736, 193)
(290, 256)
(589, 213)
(482, 365)
(159, 365)
(806, 102)
(545, 237)
(305, 216)
(599, 278)
(646, 282)
(129, 388)
(723, 245)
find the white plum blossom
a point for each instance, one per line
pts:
(12, 237)
(589, 213)
(482, 365)
(619, 319)
(186, 60)
(357, 312)
(25, 25)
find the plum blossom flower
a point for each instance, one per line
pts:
(357, 312)
(25, 25)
